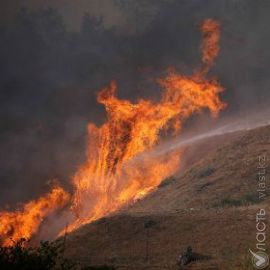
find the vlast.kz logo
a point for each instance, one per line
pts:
(260, 259)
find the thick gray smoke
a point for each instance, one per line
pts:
(51, 72)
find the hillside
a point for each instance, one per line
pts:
(210, 205)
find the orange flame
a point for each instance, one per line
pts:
(119, 168)
(113, 173)
(24, 223)
(210, 43)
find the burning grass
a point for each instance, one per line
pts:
(185, 216)
(118, 170)
(24, 222)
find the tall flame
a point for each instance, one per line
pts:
(210, 43)
(118, 169)
(24, 223)
(112, 174)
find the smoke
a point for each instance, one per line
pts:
(50, 74)
(227, 126)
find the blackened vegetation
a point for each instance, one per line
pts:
(46, 256)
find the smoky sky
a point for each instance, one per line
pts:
(56, 55)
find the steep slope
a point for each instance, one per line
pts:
(211, 206)
(221, 175)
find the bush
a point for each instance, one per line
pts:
(47, 256)
(167, 181)
(251, 198)
(206, 172)
(247, 199)
(231, 202)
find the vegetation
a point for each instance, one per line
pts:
(167, 181)
(251, 198)
(231, 202)
(102, 267)
(46, 256)
(206, 172)
(247, 199)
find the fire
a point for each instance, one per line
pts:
(210, 42)
(24, 223)
(119, 169)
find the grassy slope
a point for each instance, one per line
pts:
(211, 206)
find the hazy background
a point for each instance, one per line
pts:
(55, 55)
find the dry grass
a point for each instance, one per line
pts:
(212, 207)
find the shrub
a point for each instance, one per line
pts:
(251, 198)
(247, 199)
(46, 256)
(167, 181)
(206, 172)
(231, 202)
